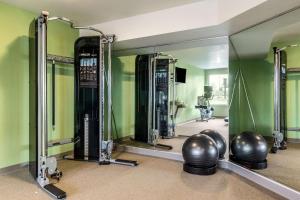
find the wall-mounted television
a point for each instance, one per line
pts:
(180, 75)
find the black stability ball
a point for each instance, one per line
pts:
(219, 140)
(200, 154)
(249, 147)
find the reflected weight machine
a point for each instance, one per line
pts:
(155, 98)
(281, 72)
(280, 78)
(91, 76)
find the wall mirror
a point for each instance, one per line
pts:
(264, 71)
(171, 92)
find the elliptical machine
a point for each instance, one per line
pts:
(206, 110)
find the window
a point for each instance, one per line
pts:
(219, 83)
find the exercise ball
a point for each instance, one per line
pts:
(250, 149)
(219, 140)
(200, 154)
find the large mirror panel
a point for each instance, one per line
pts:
(172, 92)
(264, 71)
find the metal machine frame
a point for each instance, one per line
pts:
(43, 162)
(280, 117)
(153, 134)
(149, 105)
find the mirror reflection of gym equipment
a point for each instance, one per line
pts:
(206, 110)
(196, 97)
(267, 97)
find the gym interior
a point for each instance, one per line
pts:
(182, 99)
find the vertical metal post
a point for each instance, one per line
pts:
(155, 132)
(42, 122)
(53, 94)
(276, 90)
(174, 96)
(150, 102)
(109, 104)
(101, 99)
(154, 92)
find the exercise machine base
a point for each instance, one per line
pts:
(55, 191)
(274, 149)
(192, 169)
(131, 163)
(163, 146)
(250, 165)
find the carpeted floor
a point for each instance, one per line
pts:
(192, 128)
(185, 130)
(284, 166)
(153, 179)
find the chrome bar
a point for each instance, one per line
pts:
(60, 142)
(42, 123)
(60, 59)
(109, 102)
(276, 90)
(154, 98)
(66, 20)
(150, 100)
(42, 84)
(293, 69)
(101, 100)
(173, 96)
(293, 129)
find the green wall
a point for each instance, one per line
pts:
(123, 95)
(188, 92)
(14, 84)
(220, 110)
(258, 75)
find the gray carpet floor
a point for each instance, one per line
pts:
(154, 178)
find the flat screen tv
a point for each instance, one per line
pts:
(180, 75)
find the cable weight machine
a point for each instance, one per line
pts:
(155, 99)
(42, 166)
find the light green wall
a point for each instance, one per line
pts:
(123, 94)
(258, 75)
(214, 71)
(220, 110)
(188, 92)
(14, 83)
(258, 81)
(61, 39)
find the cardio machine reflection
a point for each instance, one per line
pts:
(205, 109)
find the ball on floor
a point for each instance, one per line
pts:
(219, 140)
(200, 154)
(251, 149)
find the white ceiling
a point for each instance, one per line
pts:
(247, 19)
(287, 33)
(205, 57)
(88, 12)
(256, 42)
